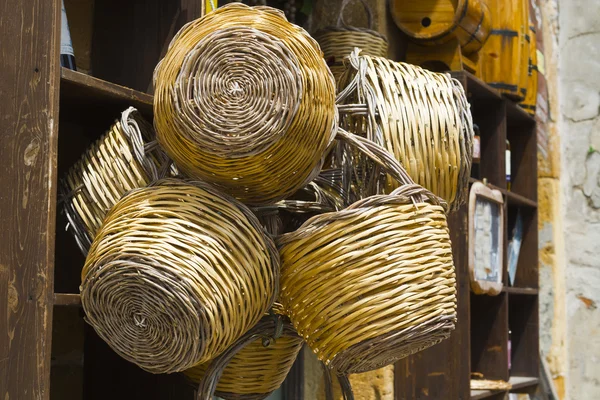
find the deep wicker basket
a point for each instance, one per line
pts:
(124, 158)
(339, 41)
(421, 117)
(375, 282)
(244, 100)
(254, 367)
(177, 273)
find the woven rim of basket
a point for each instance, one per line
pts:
(244, 100)
(177, 273)
(390, 280)
(255, 366)
(421, 117)
(127, 156)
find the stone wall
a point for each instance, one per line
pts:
(579, 89)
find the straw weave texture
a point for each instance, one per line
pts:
(245, 101)
(124, 158)
(254, 370)
(421, 117)
(338, 42)
(177, 273)
(375, 282)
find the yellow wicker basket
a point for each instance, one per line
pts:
(421, 117)
(338, 42)
(124, 158)
(254, 367)
(244, 100)
(375, 282)
(177, 273)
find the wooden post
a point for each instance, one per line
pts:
(29, 64)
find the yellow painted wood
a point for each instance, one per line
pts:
(436, 22)
(505, 55)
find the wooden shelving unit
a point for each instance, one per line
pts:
(54, 114)
(480, 341)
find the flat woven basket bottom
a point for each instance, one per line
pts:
(372, 283)
(245, 101)
(255, 371)
(485, 384)
(177, 273)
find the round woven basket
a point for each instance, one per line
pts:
(124, 158)
(244, 100)
(177, 273)
(421, 117)
(254, 367)
(337, 42)
(375, 282)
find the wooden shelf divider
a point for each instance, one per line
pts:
(67, 299)
(81, 89)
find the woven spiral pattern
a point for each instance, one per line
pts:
(177, 273)
(245, 100)
(124, 158)
(253, 370)
(421, 117)
(372, 283)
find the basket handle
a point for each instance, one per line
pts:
(378, 154)
(342, 23)
(343, 380)
(267, 329)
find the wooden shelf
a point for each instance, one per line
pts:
(515, 115)
(476, 87)
(484, 394)
(522, 382)
(520, 290)
(81, 90)
(518, 200)
(67, 299)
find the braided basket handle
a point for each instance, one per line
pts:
(268, 330)
(342, 23)
(378, 154)
(343, 380)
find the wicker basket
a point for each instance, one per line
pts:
(124, 158)
(177, 273)
(244, 100)
(252, 368)
(375, 282)
(421, 117)
(337, 42)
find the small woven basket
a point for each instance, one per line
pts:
(177, 273)
(421, 117)
(124, 158)
(254, 367)
(338, 42)
(244, 100)
(375, 282)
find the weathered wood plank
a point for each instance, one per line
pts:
(28, 128)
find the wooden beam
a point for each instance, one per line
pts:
(29, 64)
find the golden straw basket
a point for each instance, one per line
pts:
(177, 273)
(124, 158)
(244, 100)
(421, 117)
(375, 282)
(254, 367)
(337, 42)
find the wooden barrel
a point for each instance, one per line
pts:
(530, 100)
(437, 21)
(504, 59)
